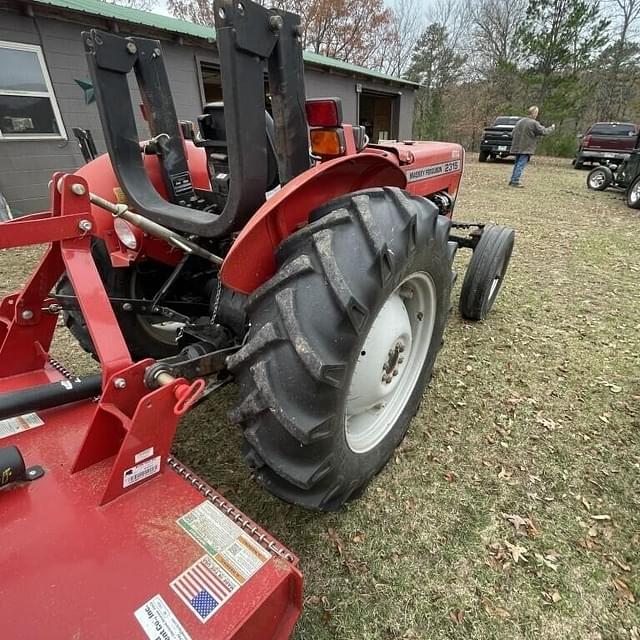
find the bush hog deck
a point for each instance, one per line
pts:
(326, 302)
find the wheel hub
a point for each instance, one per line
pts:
(391, 367)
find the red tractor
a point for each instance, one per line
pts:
(278, 249)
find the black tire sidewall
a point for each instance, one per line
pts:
(490, 258)
(283, 404)
(630, 204)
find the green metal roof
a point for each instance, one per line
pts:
(182, 27)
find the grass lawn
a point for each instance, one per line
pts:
(512, 509)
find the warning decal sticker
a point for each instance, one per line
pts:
(140, 472)
(11, 426)
(159, 622)
(233, 558)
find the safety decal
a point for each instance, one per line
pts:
(433, 171)
(11, 426)
(141, 472)
(159, 622)
(233, 557)
(143, 455)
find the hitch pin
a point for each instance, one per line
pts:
(186, 394)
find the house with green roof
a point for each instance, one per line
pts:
(46, 93)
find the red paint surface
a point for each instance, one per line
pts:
(72, 569)
(80, 554)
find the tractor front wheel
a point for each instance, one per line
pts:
(486, 272)
(342, 345)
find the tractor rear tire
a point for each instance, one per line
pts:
(486, 272)
(600, 178)
(118, 283)
(633, 194)
(327, 331)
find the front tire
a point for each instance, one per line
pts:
(336, 362)
(486, 272)
(482, 157)
(600, 178)
(633, 194)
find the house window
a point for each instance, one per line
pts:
(28, 109)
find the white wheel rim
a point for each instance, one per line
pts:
(597, 179)
(635, 193)
(390, 362)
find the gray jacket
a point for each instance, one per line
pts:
(526, 134)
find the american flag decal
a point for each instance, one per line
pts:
(203, 587)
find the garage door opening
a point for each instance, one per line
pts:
(379, 115)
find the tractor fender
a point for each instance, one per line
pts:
(251, 261)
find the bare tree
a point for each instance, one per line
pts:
(494, 27)
(351, 30)
(454, 15)
(405, 28)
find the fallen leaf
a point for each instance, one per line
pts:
(450, 476)
(503, 475)
(456, 616)
(555, 597)
(622, 565)
(359, 537)
(522, 525)
(494, 610)
(586, 543)
(585, 503)
(517, 552)
(337, 541)
(623, 590)
(546, 562)
(593, 532)
(614, 388)
(601, 517)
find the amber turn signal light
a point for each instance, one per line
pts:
(327, 142)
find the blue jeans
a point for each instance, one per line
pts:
(518, 167)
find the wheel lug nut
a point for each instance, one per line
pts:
(395, 372)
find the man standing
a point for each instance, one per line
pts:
(525, 138)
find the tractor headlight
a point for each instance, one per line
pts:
(126, 233)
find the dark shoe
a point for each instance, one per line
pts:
(516, 184)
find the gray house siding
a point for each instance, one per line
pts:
(26, 165)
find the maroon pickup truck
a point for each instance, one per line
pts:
(606, 143)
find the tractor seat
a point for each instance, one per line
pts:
(214, 139)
